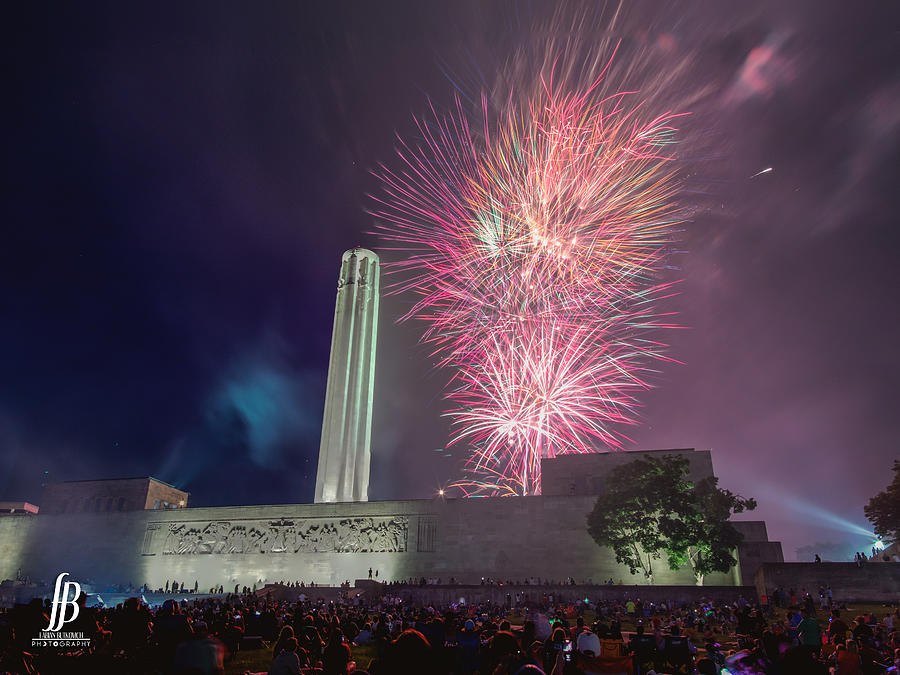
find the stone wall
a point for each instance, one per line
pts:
(870, 582)
(585, 474)
(14, 532)
(505, 539)
(756, 549)
(473, 594)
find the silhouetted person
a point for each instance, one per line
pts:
(200, 654)
(170, 627)
(336, 655)
(409, 654)
(287, 662)
(677, 650)
(643, 649)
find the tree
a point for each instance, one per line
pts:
(650, 508)
(701, 534)
(636, 508)
(883, 510)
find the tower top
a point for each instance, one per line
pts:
(358, 266)
(359, 252)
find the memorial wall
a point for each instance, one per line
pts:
(508, 538)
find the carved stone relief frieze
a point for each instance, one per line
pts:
(340, 535)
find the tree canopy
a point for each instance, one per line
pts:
(649, 508)
(883, 510)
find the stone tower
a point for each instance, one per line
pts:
(344, 452)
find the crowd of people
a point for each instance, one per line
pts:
(384, 636)
(490, 581)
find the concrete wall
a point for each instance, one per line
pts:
(871, 582)
(756, 549)
(585, 474)
(445, 595)
(530, 536)
(506, 539)
(753, 554)
(14, 533)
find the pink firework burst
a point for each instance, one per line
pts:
(534, 247)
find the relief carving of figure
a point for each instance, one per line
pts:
(348, 535)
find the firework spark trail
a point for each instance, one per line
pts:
(534, 251)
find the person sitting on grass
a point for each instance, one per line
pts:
(365, 635)
(336, 656)
(643, 650)
(587, 658)
(678, 650)
(810, 633)
(552, 647)
(200, 654)
(862, 632)
(847, 660)
(409, 654)
(287, 662)
(286, 633)
(837, 627)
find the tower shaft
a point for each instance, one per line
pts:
(344, 452)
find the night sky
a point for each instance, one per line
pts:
(181, 179)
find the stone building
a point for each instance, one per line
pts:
(505, 538)
(116, 494)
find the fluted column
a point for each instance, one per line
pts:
(344, 452)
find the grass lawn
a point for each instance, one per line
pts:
(254, 660)
(259, 660)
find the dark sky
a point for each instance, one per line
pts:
(181, 179)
